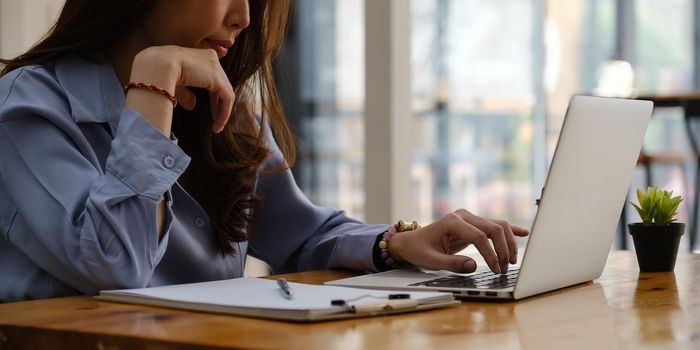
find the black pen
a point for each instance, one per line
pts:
(285, 288)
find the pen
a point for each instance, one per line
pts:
(285, 288)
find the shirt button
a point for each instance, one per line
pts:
(168, 161)
(199, 222)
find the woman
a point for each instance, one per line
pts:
(97, 193)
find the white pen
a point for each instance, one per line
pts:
(285, 288)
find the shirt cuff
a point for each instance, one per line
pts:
(377, 255)
(143, 158)
(356, 251)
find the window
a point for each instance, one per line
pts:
(491, 80)
(663, 56)
(474, 103)
(326, 47)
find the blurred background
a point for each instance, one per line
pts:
(490, 83)
(491, 80)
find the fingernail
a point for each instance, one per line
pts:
(497, 269)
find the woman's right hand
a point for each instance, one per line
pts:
(175, 68)
(435, 246)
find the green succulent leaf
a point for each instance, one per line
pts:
(642, 214)
(641, 196)
(657, 207)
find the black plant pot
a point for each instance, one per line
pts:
(656, 246)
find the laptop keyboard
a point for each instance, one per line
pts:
(483, 280)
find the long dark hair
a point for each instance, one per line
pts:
(224, 167)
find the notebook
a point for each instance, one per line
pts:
(262, 298)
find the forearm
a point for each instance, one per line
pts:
(155, 108)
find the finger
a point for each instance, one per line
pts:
(225, 110)
(493, 231)
(214, 106)
(520, 232)
(223, 98)
(185, 98)
(510, 239)
(472, 234)
(500, 244)
(454, 263)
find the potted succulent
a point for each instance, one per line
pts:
(657, 237)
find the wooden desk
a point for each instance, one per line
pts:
(622, 309)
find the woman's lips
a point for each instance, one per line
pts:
(220, 46)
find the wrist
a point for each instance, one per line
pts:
(396, 247)
(151, 67)
(157, 65)
(391, 245)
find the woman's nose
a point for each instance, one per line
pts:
(239, 15)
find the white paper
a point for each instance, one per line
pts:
(249, 292)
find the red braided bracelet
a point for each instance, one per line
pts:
(153, 88)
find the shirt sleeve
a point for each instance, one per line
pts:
(293, 234)
(89, 227)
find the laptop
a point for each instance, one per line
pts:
(577, 215)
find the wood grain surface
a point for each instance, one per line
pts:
(623, 309)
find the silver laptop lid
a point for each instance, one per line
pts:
(584, 193)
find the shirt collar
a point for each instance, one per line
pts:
(93, 90)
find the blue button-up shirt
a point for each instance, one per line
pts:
(78, 205)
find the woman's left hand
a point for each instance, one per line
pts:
(434, 246)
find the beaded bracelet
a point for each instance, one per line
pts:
(153, 88)
(401, 226)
